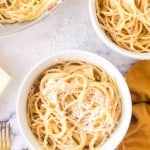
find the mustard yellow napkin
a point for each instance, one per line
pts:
(138, 135)
(138, 79)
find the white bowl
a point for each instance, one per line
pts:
(88, 57)
(106, 39)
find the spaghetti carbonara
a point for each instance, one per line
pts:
(126, 22)
(12, 11)
(73, 106)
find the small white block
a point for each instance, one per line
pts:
(4, 80)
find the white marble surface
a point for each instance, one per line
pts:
(68, 28)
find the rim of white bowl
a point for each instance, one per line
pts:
(107, 41)
(89, 57)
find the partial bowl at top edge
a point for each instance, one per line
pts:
(9, 29)
(101, 34)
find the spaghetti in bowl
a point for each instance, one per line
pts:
(123, 25)
(16, 15)
(79, 103)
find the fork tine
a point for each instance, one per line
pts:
(5, 141)
(9, 136)
(4, 135)
(0, 134)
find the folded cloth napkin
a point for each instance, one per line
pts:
(138, 135)
(138, 79)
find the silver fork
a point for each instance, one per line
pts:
(5, 136)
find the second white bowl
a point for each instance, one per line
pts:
(88, 57)
(103, 37)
